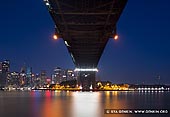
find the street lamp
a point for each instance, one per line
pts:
(115, 35)
(55, 37)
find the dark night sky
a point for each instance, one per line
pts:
(141, 53)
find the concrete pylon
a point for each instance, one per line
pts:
(87, 79)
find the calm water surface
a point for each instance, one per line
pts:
(80, 104)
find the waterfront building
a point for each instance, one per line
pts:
(22, 76)
(28, 80)
(37, 80)
(4, 70)
(57, 76)
(61, 75)
(143, 87)
(14, 79)
(43, 77)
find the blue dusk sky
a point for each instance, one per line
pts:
(140, 55)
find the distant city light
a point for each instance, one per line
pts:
(64, 76)
(80, 69)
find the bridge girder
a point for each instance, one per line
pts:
(85, 26)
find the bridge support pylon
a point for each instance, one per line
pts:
(87, 79)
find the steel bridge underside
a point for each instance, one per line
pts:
(85, 26)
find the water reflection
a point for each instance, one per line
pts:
(86, 104)
(78, 104)
(114, 100)
(71, 104)
(50, 106)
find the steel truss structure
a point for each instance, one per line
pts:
(85, 26)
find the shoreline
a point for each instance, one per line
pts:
(95, 90)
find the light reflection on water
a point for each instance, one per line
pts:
(86, 104)
(78, 104)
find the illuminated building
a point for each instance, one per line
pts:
(0, 67)
(5, 66)
(13, 79)
(149, 87)
(61, 75)
(57, 77)
(4, 70)
(22, 76)
(28, 81)
(48, 80)
(1, 80)
(43, 77)
(37, 81)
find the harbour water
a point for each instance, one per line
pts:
(84, 104)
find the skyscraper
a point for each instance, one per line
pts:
(61, 75)
(4, 70)
(0, 67)
(29, 76)
(22, 76)
(57, 76)
(43, 77)
(5, 66)
(13, 79)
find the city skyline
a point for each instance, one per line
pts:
(141, 53)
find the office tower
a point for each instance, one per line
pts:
(43, 77)
(28, 81)
(13, 79)
(59, 75)
(4, 70)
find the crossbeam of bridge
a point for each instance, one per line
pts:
(85, 26)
